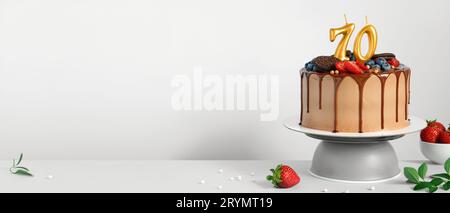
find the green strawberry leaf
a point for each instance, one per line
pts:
(20, 159)
(431, 121)
(444, 176)
(423, 170)
(21, 167)
(447, 166)
(432, 188)
(446, 186)
(22, 172)
(436, 181)
(411, 174)
(421, 185)
(19, 170)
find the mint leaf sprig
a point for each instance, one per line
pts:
(419, 176)
(19, 170)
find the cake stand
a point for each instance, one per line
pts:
(355, 157)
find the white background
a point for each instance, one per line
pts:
(91, 79)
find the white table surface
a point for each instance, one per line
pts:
(177, 176)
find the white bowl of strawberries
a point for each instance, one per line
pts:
(435, 142)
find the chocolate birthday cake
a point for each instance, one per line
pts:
(353, 95)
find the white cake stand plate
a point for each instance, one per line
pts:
(355, 157)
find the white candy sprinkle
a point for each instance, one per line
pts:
(231, 178)
(50, 177)
(219, 187)
(220, 170)
(202, 182)
(324, 190)
(252, 174)
(372, 188)
(239, 178)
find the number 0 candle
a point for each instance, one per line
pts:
(372, 38)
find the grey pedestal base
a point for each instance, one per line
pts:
(355, 162)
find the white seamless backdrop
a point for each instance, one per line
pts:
(91, 79)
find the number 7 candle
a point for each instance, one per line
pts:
(346, 32)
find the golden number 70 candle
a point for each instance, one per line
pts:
(346, 32)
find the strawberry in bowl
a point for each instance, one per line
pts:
(434, 123)
(435, 142)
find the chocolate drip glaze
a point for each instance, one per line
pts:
(307, 92)
(409, 88)
(360, 80)
(383, 79)
(337, 82)
(397, 75)
(407, 93)
(320, 91)
(301, 96)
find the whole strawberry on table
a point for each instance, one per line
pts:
(435, 132)
(283, 176)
